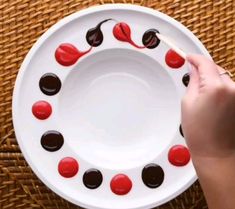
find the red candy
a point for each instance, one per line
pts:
(41, 110)
(120, 184)
(67, 54)
(179, 155)
(174, 60)
(122, 32)
(68, 167)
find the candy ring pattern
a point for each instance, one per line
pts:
(66, 55)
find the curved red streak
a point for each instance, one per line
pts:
(129, 40)
(135, 45)
(85, 52)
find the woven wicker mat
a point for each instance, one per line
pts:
(23, 21)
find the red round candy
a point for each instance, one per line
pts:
(173, 59)
(68, 167)
(41, 110)
(179, 155)
(120, 184)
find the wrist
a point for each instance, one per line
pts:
(216, 176)
(213, 165)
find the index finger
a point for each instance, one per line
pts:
(206, 67)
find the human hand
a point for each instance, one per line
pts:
(208, 110)
(208, 122)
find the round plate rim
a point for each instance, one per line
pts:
(37, 44)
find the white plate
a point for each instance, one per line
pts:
(118, 109)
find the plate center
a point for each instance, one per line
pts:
(118, 108)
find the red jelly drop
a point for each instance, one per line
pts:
(122, 32)
(66, 54)
(41, 110)
(173, 59)
(68, 167)
(120, 184)
(179, 155)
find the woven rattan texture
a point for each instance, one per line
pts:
(22, 22)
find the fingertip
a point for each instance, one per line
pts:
(195, 59)
(203, 64)
(192, 60)
(190, 56)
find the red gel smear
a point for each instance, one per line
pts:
(68, 167)
(41, 110)
(120, 184)
(179, 155)
(122, 32)
(173, 59)
(67, 54)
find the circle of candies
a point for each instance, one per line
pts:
(66, 55)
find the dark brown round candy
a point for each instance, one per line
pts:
(186, 79)
(50, 84)
(152, 175)
(92, 178)
(150, 40)
(52, 140)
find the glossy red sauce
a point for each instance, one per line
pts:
(120, 184)
(173, 59)
(179, 155)
(68, 167)
(67, 54)
(122, 32)
(41, 110)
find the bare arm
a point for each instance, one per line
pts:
(217, 178)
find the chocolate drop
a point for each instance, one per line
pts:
(181, 131)
(92, 178)
(152, 175)
(50, 84)
(95, 36)
(186, 79)
(52, 141)
(150, 40)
